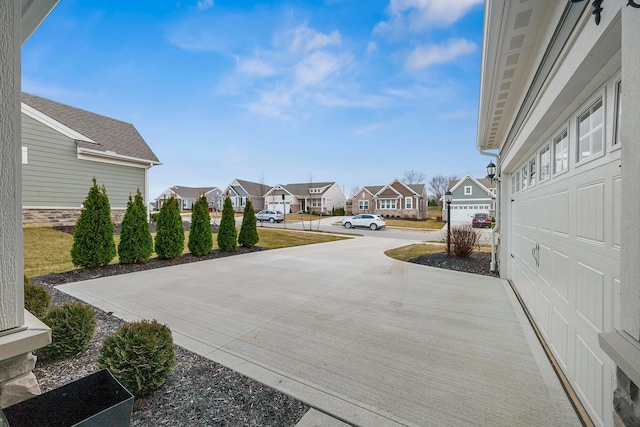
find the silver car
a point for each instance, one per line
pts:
(271, 216)
(371, 221)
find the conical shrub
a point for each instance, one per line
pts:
(136, 243)
(93, 243)
(227, 233)
(169, 230)
(248, 236)
(200, 237)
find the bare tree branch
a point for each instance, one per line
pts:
(413, 177)
(439, 184)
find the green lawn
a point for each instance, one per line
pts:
(409, 252)
(49, 251)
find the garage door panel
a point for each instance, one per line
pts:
(590, 295)
(616, 219)
(590, 212)
(559, 337)
(560, 212)
(560, 275)
(589, 377)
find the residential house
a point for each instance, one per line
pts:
(559, 96)
(395, 199)
(20, 331)
(315, 197)
(187, 196)
(240, 191)
(470, 196)
(64, 147)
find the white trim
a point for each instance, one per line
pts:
(390, 187)
(113, 158)
(53, 124)
(25, 155)
(468, 190)
(601, 97)
(113, 208)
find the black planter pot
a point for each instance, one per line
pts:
(96, 400)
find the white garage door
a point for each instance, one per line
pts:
(278, 207)
(565, 262)
(465, 213)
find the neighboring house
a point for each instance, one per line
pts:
(470, 196)
(187, 196)
(305, 197)
(240, 191)
(395, 199)
(64, 147)
(560, 95)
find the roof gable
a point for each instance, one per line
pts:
(92, 131)
(468, 179)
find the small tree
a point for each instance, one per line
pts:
(136, 243)
(200, 237)
(227, 233)
(248, 236)
(93, 243)
(169, 230)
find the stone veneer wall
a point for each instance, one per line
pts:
(59, 217)
(400, 213)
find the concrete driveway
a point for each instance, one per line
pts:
(353, 333)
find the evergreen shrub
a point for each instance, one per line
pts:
(227, 233)
(72, 327)
(200, 236)
(248, 236)
(139, 355)
(136, 243)
(36, 299)
(93, 243)
(169, 230)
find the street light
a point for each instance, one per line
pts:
(448, 197)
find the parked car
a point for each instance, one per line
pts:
(481, 220)
(373, 222)
(271, 216)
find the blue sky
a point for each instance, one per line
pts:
(352, 91)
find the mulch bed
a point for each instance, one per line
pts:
(198, 391)
(477, 263)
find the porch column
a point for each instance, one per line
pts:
(623, 345)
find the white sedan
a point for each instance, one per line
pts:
(371, 221)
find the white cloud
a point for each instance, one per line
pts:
(424, 56)
(314, 69)
(204, 4)
(306, 39)
(418, 15)
(255, 67)
(372, 47)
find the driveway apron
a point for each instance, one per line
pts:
(367, 339)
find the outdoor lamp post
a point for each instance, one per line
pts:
(448, 197)
(491, 171)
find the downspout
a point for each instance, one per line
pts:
(497, 226)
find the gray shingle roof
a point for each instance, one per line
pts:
(373, 189)
(302, 189)
(109, 134)
(190, 192)
(254, 188)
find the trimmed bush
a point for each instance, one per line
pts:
(136, 243)
(169, 230)
(248, 236)
(93, 243)
(227, 233)
(200, 236)
(139, 355)
(464, 240)
(36, 299)
(72, 327)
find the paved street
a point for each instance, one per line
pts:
(366, 338)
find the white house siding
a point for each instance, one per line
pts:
(333, 198)
(564, 238)
(54, 177)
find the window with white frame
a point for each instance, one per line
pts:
(468, 190)
(591, 131)
(532, 172)
(617, 139)
(408, 202)
(363, 205)
(524, 175)
(561, 152)
(545, 163)
(316, 203)
(388, 203)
